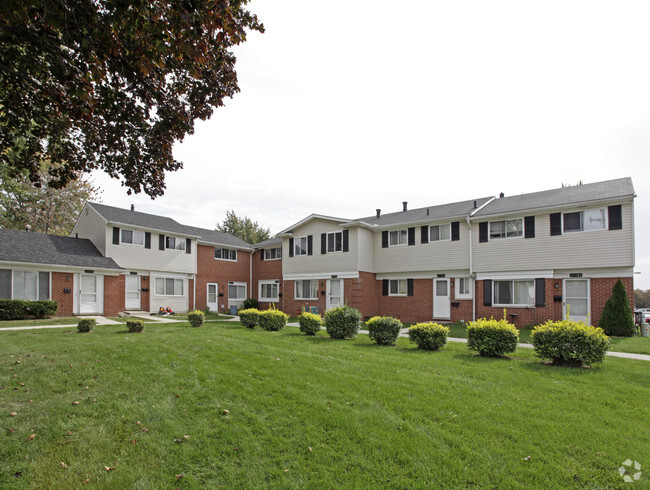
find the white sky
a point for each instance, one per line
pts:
(348, 106)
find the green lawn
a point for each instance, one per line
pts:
(63, 320)
(306, 412)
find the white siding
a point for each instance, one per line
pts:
(177, 303)
(92, 226)
(365, 240)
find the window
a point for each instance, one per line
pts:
(335, 242)
(521, 293)
(174, 243)
(439, 233)
(168, 286)
(237, 291)
(398, 237)
(31, 285)
(273, 253)
(397, 287)
(225, 254)
(509, 228)
(463, 287)
(269, 291)
(300, 246)
(132, 237)
(307, 289)
(588, 220)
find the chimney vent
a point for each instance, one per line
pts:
(474, 205)
(427, 211)
(378, 213)
(405, 204)
(28, 227)
(502, 195)
(132, 207)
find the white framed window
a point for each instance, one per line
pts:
(174, 243)
(306, 289)
(514, 293)
(509, 228)
(397, 287)
(225, 254)
(168, 286)
(588, 220)
(463, 288)
(272, 253)
(397, 237)
(300, 246)
(269, 291)
(335, 242)
(237, 291)
(440, 233)
(31, 285)
(132, 237)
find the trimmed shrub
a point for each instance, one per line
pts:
(342, 322)
(42, 309)
(273, 320)
(310, 323)
(384, 329)
(86, 325)
(428, 336)
(135, 326)
(249, 317)
(492, 338)
(570, 343)
(196, 318)
(18, 309)
(250, 303)
(617, 318)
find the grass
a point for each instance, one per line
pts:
(63, 320)
(305, 412)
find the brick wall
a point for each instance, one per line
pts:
(412, 309)
(61, 281)
(210, 269)
(266, 270)
(114, 294)
(601, 291)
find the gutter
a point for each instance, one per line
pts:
(471, 269)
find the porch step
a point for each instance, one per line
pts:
(133, 313)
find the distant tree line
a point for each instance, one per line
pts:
(641, 298)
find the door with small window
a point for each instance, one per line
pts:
(212, 301)
(441, 299)
(334, 293)
(576, 304)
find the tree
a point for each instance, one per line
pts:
(244, 228)
(617, 318)
(45, 209)
(112, 85)
(641, 298)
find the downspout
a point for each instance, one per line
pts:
(471, 270)
(250, 278)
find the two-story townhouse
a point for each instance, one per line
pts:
(267, 274)
(71, 271)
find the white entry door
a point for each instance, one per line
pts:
(88, 294)
(441, 299)
(212, 300)
(576, 302)
(334, 293)
(132, 293)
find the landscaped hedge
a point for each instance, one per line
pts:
(492, 338)
(196, 318)
(570, 343)
(86, 325)
(249, 317)
(428, 336)
(273, 320)
(135, 326)
(617, 318)
(310, 323)
(384, 329)
(18, 309)
(342, 322)
(250, 303)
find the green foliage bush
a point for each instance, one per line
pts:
(384, 329)
(567, 342)
(310, 324)
(492, 338)
(617, 318)
(18, 309)
(428, 336)
(86, 325)
(273, 320)
(249, 317)
(342, 322)
(250, 303)
(135, 326)
(196, 318)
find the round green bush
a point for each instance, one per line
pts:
(492, 338)
(250, 317)
(310, 324)
(135, 326)
(570, 343)
(428, 336)
(273, 320)
(250, 303)
(342, 322)
(196, 318)
(384, 329)
(86, 325)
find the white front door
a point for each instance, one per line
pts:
(334, 293)
(88, 294)
(441, 299)
(132, 293)
(212, 300)
(576, 304)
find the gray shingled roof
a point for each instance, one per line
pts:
(430, 213)
(269, 243)
(609, 190)
(218, 237)
(39, 248)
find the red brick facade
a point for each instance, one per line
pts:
(62, 282)
(266, 270)
(114, 294)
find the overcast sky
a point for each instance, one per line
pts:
(348, 106)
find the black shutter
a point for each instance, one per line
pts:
(384, 287)
(323, 243)
(262, 252)
(346, 240)
(409, 287)
(529, 227)
(483, 232)
(556, 224)
(161, 242)
(310, 243)
(540, 292)
(455, 231)
(147, 239)
(424, 234)
(615, 217)
(116, 235)
(384, 239)
(188, 245)
(290, 247)
(411, 236)
(487, 292)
